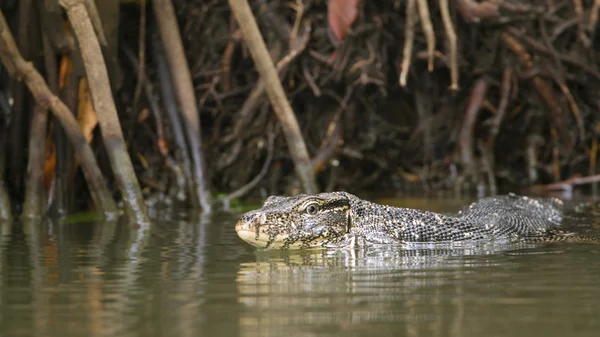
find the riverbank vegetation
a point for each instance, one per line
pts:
(181, 101)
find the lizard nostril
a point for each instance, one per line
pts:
(248, 222)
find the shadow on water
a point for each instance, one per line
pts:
(194, 277)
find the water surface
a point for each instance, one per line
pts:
(196, 278)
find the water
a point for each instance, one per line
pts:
(196, 278)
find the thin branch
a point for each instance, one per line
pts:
(578, 5)
(141, 64)
(263, 171)
(409, 37)
(92, 10)
(466, 142)
(427, 27)
(452, 41)
(255, 96)
(281, 105)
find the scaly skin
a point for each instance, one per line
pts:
(340, 219)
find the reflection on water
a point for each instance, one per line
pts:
(196, 278)
(549, 291)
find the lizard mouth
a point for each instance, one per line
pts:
(247, 230)
(259, 241)
(253, 235)
(251, 230)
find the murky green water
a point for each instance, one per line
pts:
(196, 278)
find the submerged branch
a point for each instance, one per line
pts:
(105, 108)
(33, 206)
(5, 205)
(184, 90)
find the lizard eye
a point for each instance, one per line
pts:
(312, 209)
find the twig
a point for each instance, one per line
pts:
(107, 112)
(310, 80)
(92, 11)
(559, 79)
(323, 59)
(275, 22)
(466, 144)
(452, 41)
(567, 185)
(227, 159)
(141, 73)
(333, 136)
(504, 97)
(534, 141)
(358, 65)
(562, 27)
(226, 60)
(180, 185)
(171, 109)
(299, 8)
(263, 171)
(555, 153)
(578, 5)
(423, 107)
(297, 46)
(161, 142)
(58, 34)
(427, 27)
(594, 11)
(22, 70)
(409, 37)
(544, 90)
(182, 79)
(283, 110)
(487, 159)
(566, 58)
(488, 148)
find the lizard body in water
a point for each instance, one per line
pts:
(340, 219)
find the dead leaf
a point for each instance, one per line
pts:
(340, 16)
(64, 70)
(163, 147)
(86, 115)
(144, 114)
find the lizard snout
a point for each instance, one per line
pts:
(249, 222)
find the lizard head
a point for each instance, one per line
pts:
(300, 221)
